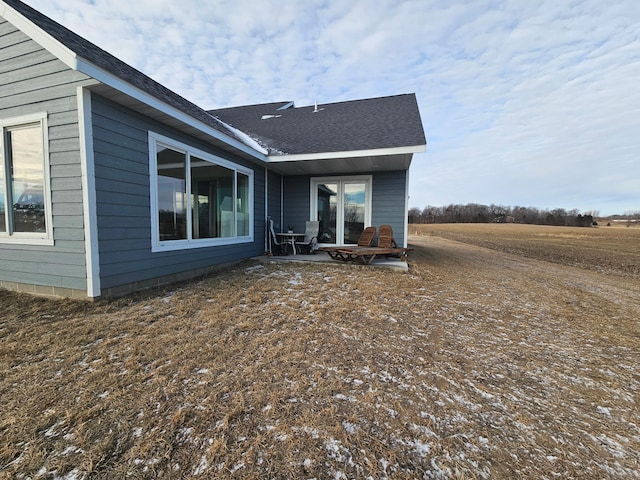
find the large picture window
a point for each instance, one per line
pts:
(24, 183)
(197, 199)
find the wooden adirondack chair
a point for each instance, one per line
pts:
(364, 241)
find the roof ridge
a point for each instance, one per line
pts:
(383, 97)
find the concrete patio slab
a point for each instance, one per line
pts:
(322, 257)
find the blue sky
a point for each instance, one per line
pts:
(523, 103)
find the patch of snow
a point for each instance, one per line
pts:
(482, 393)
(315, 434)
(349, 398)
(333, 447)
(384, 464)
(167, 299)
(71, 449)
(349, 427)
(244, 138)
(603, 410)
(51, 432)
(93, 344)
(202, 371)
(202, 466)
(421, 449)
(424, 430)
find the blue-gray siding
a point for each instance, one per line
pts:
(274, 198)
(388, 205)
(33, 81)
(296, 204)
(121, 151)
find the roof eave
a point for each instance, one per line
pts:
(347, 154)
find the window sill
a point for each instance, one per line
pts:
(173, 245)
(17, 240)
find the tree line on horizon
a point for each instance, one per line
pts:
(477, 213)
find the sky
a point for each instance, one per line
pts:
(523, 103)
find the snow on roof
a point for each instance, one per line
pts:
(244, 138)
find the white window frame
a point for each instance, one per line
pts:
(366, 179)
(157, 245)
(27, 238)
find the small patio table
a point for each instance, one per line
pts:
(290, 237)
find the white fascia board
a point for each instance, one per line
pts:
(38, 35)
(347, 154)
(69, 58)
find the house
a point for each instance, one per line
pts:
(111, 183)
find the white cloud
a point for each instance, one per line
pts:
(531, 103)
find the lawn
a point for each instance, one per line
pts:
(479, 362)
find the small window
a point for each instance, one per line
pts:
(197, 199)
(24, 206)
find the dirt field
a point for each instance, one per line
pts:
(515, 361)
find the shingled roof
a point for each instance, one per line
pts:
(104, 60)
(369, 124)
(373, 126)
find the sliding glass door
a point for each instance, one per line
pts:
(343, 208)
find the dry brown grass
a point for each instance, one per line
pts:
(476, 364)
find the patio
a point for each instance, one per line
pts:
(323, 257)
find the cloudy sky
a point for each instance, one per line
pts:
(523, 103)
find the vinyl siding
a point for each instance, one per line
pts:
(388, 202)
(120, 138)
(33, 81)
(297, 202)
(274, 198)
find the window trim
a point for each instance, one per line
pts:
(341, 181)
(28, 238)
(157, 245)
